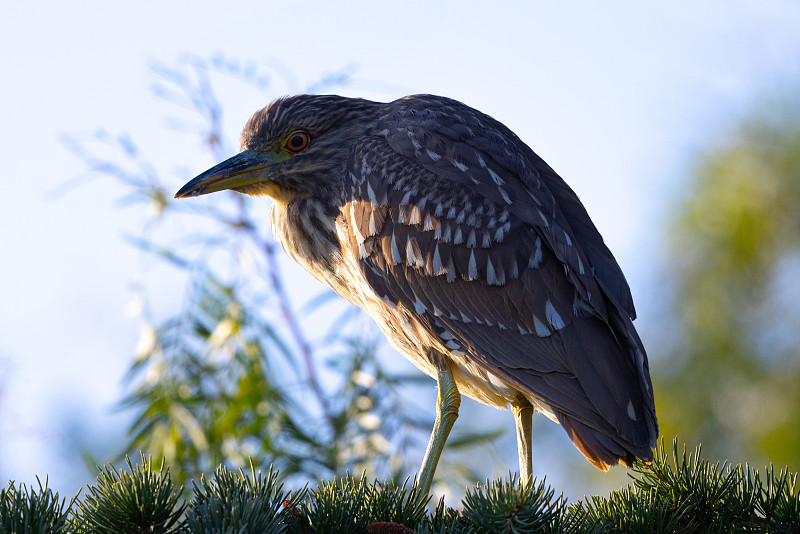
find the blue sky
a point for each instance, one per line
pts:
(618, 97)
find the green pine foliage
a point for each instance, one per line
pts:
(347, 505)
(677, 492)
(130, 502)
(30, 511)
(234, 502)
(685, 493)
(511, 506)
(442, 521)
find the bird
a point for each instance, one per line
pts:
(475, 258)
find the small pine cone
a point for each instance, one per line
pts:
(294, 513)
(388, 527)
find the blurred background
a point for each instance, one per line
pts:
(133, 322)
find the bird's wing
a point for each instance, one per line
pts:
(465, 146)
(496, 271)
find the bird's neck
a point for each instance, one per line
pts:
(306, 230)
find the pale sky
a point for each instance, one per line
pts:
(618, 97)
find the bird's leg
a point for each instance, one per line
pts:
(523, 415)
(447, 403)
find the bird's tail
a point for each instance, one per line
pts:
(602, 451)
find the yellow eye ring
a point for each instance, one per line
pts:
(297, 141)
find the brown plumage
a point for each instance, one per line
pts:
(475, 258)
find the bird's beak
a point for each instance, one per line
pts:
(245, 168)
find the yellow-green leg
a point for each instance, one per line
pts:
(447, 403)
(523, 416)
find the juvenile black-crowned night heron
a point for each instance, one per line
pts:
(474, 257)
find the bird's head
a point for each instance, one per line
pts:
(293, 148)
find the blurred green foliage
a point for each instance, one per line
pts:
(731, 377)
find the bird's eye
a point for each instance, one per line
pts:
(297, 141)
